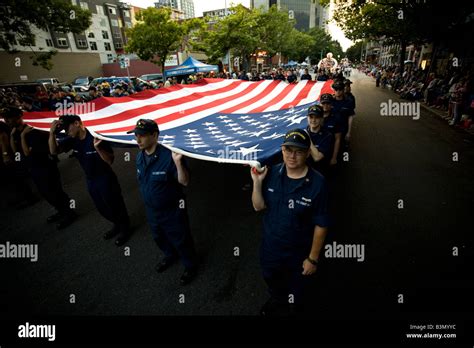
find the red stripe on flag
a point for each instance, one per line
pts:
(326, 88)
(127, 114)
(276, 99)
(301, 95)
(177, 115)
(253, 100)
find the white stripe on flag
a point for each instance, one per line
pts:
(289, 97)
(272, 95)
(313, 93)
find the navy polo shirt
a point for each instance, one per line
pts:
(344, 109)
(38, 141)
(158, 179)
(332, 123)
(324, 142)
(89, 159)
(352, 101)
(293, 208)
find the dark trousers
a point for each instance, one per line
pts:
(20, 177)
(48, 182)
(106, 193)
(172, 234)
(285, 280)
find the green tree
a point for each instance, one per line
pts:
(275, 30)
(237, 32)
(156, 35)
(19, 16)
(354, 52)
(401, 22)
(300, 45)
(323, 43)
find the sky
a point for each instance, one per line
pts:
(207, 5)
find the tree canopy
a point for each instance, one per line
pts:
(18, 16)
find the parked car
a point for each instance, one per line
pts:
(49, 81)
(82, 83)
(152, 77)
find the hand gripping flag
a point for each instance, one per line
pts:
(228, 121)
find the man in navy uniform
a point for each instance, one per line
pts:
(96, 158)
(322, 141)
(162, 174)
(344, 108)
(32, 146)
(332, 123)
(294, 225)
(352, 105)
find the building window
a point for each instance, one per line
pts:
(91, 35)
(110, 57)
(107, 46)
(103, 22)
(105, 34)
(117, 36)
(93, 45)
(118, 45)
(100, 9)
(49, 42)
(62, 42)
(84, 5)
(126, 14)
(114, 22)
(112, 10)
(81, 43)
(120, 23)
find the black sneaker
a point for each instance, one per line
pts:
(188, 276)
(54, 218)
(112, 233)
(164, 264)
(66, 220)
(270, 308)
(122, 238)
(27, 203)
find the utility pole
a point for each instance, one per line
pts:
(228, 51)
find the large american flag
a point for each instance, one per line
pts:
(230, 121)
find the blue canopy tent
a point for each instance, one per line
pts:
(290, 63)
(191, 66)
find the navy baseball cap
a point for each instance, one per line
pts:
(297, 137)
(145, 126)
(316, 110)
(326, 98)
(11, 112)
(66, 120)
(338, 85)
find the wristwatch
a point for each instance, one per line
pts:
(314, 262)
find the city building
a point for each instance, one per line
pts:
(77, 54)
(307, 13)
(217, 14)
(185, 6)
(106, 35)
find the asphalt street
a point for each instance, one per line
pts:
(408, 251)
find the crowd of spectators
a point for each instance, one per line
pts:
(451, 92)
